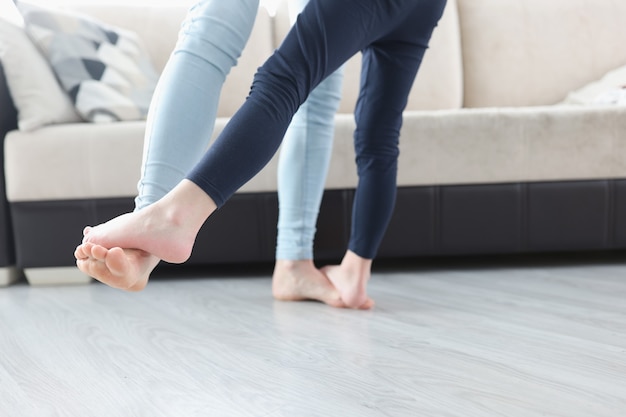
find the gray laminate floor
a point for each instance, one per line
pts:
(460, 338)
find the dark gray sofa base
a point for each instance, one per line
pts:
(8, 121)
(428, 221)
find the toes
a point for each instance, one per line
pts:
(113, 266)
(81, 264)
(86, 250)
(86, 232)
(98, 252)
(367, 305)
(116, 261)
(102, 272)
(89, 267)
(79, 252)
(91, 251)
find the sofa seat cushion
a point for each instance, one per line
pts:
(472, 146)
(503, 145)
(74, 161)
(489, 145)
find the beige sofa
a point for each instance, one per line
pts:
(491, 159)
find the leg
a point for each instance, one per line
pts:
(389, 69)
(302, 167)
(326, 35)
(181, 118)
(184, 107)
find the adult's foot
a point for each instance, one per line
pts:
(125, 269)
(350, 279)
(300, 280)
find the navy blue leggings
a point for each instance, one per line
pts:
(393, 36)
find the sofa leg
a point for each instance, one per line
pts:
(9, 275)
(64, 275)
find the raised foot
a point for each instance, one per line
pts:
(166, 229)
(160, 237)
(125, 269)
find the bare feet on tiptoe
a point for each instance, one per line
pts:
(350, 279)
(124, 269)
(301, 280)
(123, 251)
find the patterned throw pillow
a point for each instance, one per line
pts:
(105, 70)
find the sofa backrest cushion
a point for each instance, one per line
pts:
(158, 26)
(534, 52)
(439, 82)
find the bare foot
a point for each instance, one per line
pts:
(350, 279)
(125, 269)
(123, 251)
(301, 280)
(166, 229)
(138, 230)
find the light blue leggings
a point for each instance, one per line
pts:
(184, 107)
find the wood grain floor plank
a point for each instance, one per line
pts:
(480, 341)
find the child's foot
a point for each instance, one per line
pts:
(125, 269)
(350, 279)
(166, 229)
(123, 251)
(138, 230)
(301, 280)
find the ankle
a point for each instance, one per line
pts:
(168, 215)
(355, 264)
(159, 216)
(291, 265)
(187, 205)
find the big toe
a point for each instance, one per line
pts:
(116, 262)
(367, 305)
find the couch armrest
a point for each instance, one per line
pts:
(8, 122)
